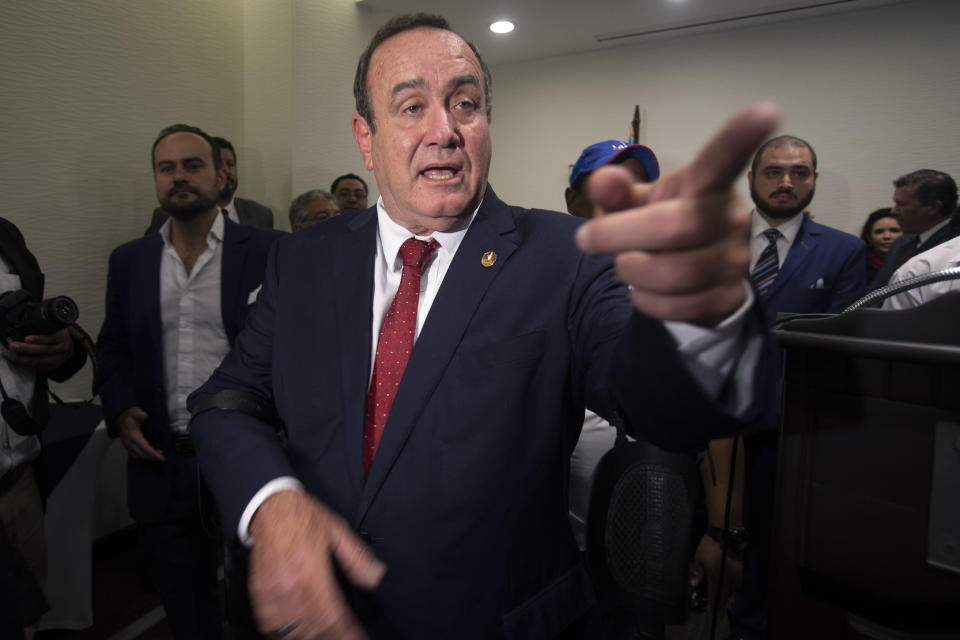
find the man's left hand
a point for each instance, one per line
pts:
(681, 243)
(706, 566)
(42, 354)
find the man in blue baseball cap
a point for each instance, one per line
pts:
(636, 158)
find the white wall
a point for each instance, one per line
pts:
(875, 92)
(328, 38)
(84, 89)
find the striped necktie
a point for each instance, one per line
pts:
(768, 264)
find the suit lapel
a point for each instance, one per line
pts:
(231, 270)
(146, 275)
(460, 293)
(944, 233)
(353, 263)
(801, 249)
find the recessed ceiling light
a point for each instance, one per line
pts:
(502, 26)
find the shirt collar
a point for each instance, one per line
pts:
(923, 237)
(214, 236)
(392, 235)
(788, 229)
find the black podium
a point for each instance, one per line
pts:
(867, 517)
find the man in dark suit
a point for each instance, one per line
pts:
(797, 266)
(434, 475)
(245, 212)
(175, 303)
(926, 201)
(26, 364)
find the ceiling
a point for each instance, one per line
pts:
(555, 27)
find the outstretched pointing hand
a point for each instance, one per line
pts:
(682, 243)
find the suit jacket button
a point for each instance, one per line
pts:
(366, 537)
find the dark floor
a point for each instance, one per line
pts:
(121, 593)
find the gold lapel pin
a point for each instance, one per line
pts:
(488, 259)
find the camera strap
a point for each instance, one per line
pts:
(16, 415)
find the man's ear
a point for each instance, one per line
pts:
(571, 197)
(362, 134)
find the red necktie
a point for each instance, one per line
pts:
(394, 345)
(909, 250)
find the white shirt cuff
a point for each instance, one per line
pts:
(283, 483)
(709, 355)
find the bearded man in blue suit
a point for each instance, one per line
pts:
(797, 266)
(451, 520)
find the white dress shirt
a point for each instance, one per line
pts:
(18, 383)
(943, 256)
(709, 354)
(194, 340)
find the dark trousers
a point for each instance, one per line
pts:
(748, 609)
(182, 555)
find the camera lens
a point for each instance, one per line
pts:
(64, 310)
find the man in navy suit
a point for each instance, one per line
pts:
(926, 201)
(797, 266)
(452, 521)
(175, 302)
(245, 212)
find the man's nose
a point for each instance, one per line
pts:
(442, 128)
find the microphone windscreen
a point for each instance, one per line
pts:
(640, 529)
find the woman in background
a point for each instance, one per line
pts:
(879, 231)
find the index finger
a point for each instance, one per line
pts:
(722, 159)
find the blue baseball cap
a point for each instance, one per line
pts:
(609, 151)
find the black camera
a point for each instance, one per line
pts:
(21, 316)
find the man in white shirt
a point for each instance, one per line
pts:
(24, 368)
(943, 256)
(239, 210)
(175, 301)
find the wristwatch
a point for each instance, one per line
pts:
(736, 538)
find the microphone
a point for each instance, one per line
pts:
(640, 530)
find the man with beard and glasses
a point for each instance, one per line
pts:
(248, 212)
(797, 266)
(175, 302)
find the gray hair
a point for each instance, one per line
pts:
(298, 208)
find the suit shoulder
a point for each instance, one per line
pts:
(836, 237)
(253, 203)
(11, 230)
(134, 247)
(545, 220)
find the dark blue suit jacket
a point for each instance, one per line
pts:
(466, 498)
(892, 260)
(823, 273)
(131, 350)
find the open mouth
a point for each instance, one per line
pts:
(441, 173)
